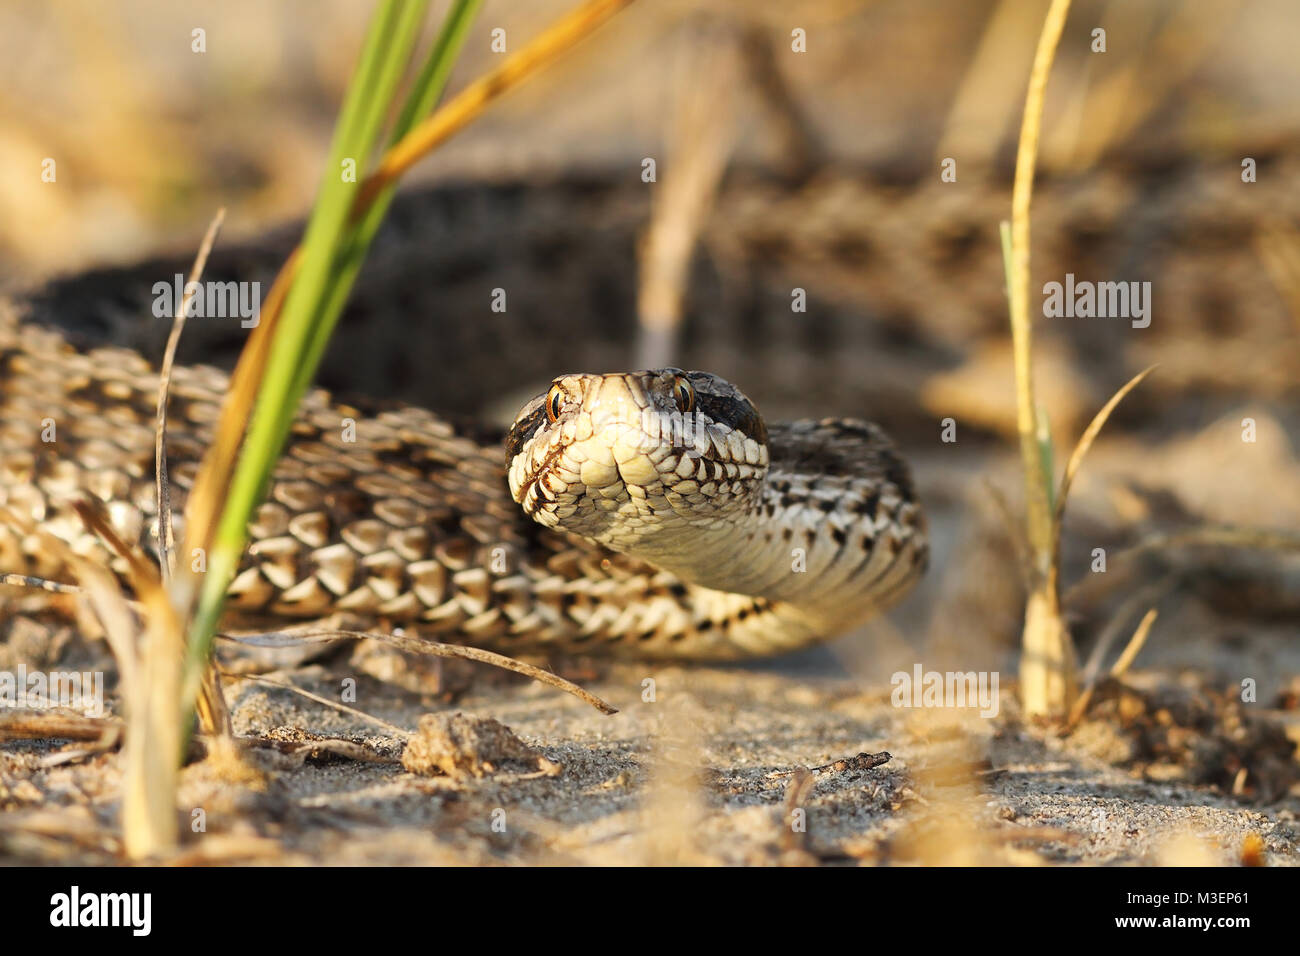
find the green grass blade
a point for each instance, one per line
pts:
(424, 94)
(1046, 452)
(386, 50)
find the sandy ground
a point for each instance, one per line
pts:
(699, 764)
(701, 774)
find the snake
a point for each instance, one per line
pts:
(650, 514)
(392, 515)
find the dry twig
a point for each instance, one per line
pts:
(417, 646)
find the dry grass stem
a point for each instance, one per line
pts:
(213, 714)
(1147, 597)
(161, 488)
(325, 701)
(335, 746)
(1134, 646)
(154, 720)
(465, 107)
(1021, 326)
(54, 725)
(418, 646)
(699, 144)
(1072, 466)
(212, 483)
(1047, 678)
(43, 584)
(1118, 669)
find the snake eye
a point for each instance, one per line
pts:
(684, 394)
(554, 399)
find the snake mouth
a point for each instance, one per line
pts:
(533, 493)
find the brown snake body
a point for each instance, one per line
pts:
(396, 518)
(413, 524)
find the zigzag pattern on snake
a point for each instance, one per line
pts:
(408, 520)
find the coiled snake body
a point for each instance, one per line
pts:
(667, 519)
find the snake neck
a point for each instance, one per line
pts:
(829, 539)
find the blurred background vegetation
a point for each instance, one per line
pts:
(149, 136)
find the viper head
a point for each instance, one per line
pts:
(627, 458)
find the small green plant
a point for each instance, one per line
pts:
(326, 266)
(1049, 683)
(284, 350)
(1047, 669)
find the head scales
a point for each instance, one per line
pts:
(624, 465)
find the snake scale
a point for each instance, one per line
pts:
(413, 523)
(779, 535)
